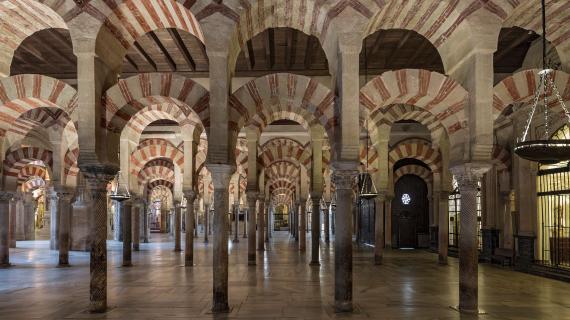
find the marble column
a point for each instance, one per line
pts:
(303, 225)
(136, 219)
(267, 222)
(29, 217)
(177, 226)
(344, 180)
(443, 228)
(126, 211)
(260, 225)
(508, 221)
(207, 229)
(190, 196)
(236, 217)
(97, 178)
(245, 218)
(379, 229)
(251, 215)
(118, 221)
(80, 210)
(315, 228)
(15, 208)
(146, 223)
(333, 211)
(221, 175)
(54, 221)
(64, 196)
(467, 177)
(5, 198)
(388, 221)
(326, 220)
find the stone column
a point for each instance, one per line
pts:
(303, 225)
(29, 217)
(236, 217)
(64, 208)
(315, 228)
(189, 243)
(344, 180)
(207, 229)
(54, 223)
(333, 211)
(80, 218)
(443, 228)
(267, 221)
(177, 226)
(97, 178)
(146, 224)
(118, 221)
(467, 177)
(388, 221)
(326, 218)
(508, 221)
(5, 198)
(251, 201)
(379, 229)
(126, 224)
(136, 218)
(260, 225)
(221, 175)
(245, 218)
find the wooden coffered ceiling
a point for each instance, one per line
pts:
(275, 50)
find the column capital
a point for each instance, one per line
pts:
(221, 174)
(98, 175)
(190, 195)
(6, 196)
(344, 179)
(316, 195)
(469, 174)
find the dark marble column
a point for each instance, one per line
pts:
(267, 221)
(178, 226)
(251, 216)
(138, 208)
(64, 196)
(97, 178)
(379, 229)
(443, 227)
(467, 177)
(344, 180)
(189, 240)
(302, 225)
(490, 238)
(315, 228)
(326, 218)
(126, 213)
(260, 225)
(221, 175)
(5, 198)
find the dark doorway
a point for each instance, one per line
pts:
(410, 217)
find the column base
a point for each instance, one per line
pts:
(377, 260)
(6, 265)
(63, 265)
(468, 311)
(220, 308)
(442, 260)
(97, 307)
(343, 306)
(127, 265)
(205, 240)
(136, 248)
(314, 263)
(177, 250)
(235, 240)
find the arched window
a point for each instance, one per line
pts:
(553, 204)
(454, 213)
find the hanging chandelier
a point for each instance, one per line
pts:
(544, 150)
(119, 194)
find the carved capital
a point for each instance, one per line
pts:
(98, 176)
(6, 196)
(344, 179)
(190, 195)
(469, 174)
(221, 174)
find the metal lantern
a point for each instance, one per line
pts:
(544, 150)
(366, 187)
(118, 194)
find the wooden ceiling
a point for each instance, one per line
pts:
(275, 50)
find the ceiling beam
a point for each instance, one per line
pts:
(182, 48)
(269, 48)
(309, 52)
(291, 48)
(399, 46)
(250, 55)
(145, 56)
(169, 59)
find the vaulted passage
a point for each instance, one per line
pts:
(282, 159)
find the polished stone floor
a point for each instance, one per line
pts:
(410, 285)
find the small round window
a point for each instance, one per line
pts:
(406, 199)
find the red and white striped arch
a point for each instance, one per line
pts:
(70, 168)
(22, 93)
(151, 149)
(155, 170)
(283, 168)
(32, 171)
(127, 20)
(433, 92)
(19, 20)
(282, 96)
(161, 191)
(521, 87)
(414, 169)
(277, 149)
(18, 159)
(32, 184)
(436, 20)
(420, 150)
(155, 95)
